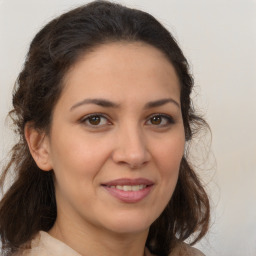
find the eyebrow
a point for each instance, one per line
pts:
(161, 102)
(110, 104)
(99, 102)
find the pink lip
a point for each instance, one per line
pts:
(130, 182)
(129, 196)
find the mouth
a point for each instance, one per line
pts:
(129, 190)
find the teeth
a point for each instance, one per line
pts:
(129, 188)
(135, 188)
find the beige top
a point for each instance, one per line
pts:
(46, 245)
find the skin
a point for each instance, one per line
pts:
(126, 142)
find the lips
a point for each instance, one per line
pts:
(131, 182)
(129, 190)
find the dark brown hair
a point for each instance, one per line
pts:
(29, 204)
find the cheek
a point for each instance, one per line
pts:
(78, 155)
(75, 165)
(169, 156)
(169, 153)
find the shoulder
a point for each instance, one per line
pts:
(183, 249)
(45, 245)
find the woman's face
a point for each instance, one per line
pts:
(117, 138)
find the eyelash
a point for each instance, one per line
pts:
(85, 120)
(169, 119)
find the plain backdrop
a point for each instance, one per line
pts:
(219, 39)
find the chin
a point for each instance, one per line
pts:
(130, 224)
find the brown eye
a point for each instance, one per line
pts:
(156, 120)
(160, 120)
(95, 120)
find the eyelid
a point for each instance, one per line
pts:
(101, 115)
(169, 118)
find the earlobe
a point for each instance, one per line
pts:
(38, 144)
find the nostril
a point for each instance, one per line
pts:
(131, 152)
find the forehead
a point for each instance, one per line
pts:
(122, 68)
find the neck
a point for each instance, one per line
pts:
(89, 240)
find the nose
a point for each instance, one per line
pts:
(131, 148)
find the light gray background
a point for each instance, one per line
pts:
(219, 39)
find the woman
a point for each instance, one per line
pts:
(103, 110)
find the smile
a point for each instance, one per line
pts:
(129, 190)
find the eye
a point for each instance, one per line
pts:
(95, 120)
(160, 120)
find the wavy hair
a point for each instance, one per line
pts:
(29, 205)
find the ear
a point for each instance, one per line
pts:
(39, 147)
